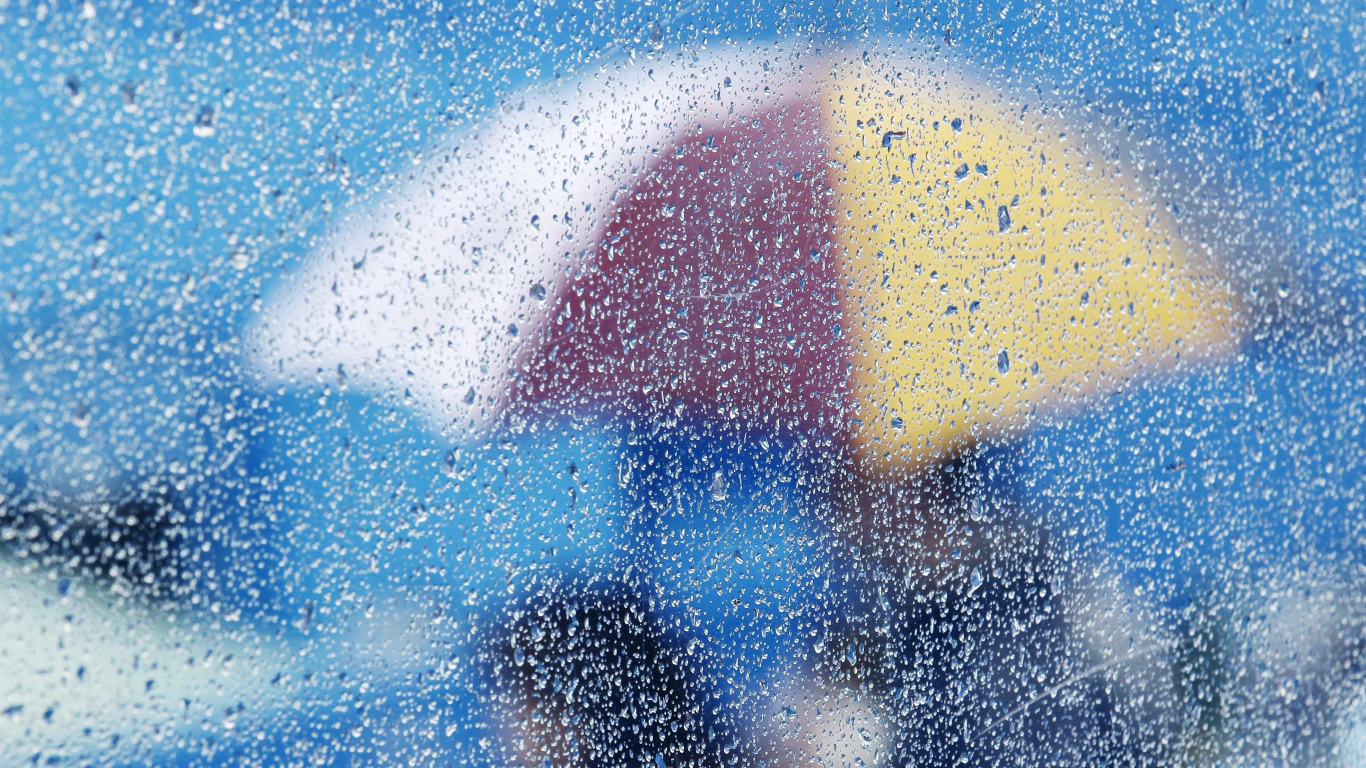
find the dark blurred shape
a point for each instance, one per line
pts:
(585, 679)
(139, 544)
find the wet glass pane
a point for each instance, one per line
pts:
(686, 384)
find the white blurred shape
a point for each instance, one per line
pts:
(810, 726)
(88, 672)
(430, 290)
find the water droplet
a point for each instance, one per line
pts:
(1085, 298)
(1003, 362)
(952, 310)
(538, 292)
(891, 136)
(976, 579)
(512, 329)
(1002, 218)
(981, 168)
(656, 35)
(956, 124)
(718, 486)
(897, 422)
(962, 172)
(203, 122)
(82, 416)
(128, 92)
(659, 760)
(73, 89)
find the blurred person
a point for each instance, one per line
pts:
(869, 270)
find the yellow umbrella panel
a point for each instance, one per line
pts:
(993, 273)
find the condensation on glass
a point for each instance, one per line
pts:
(682, 385)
